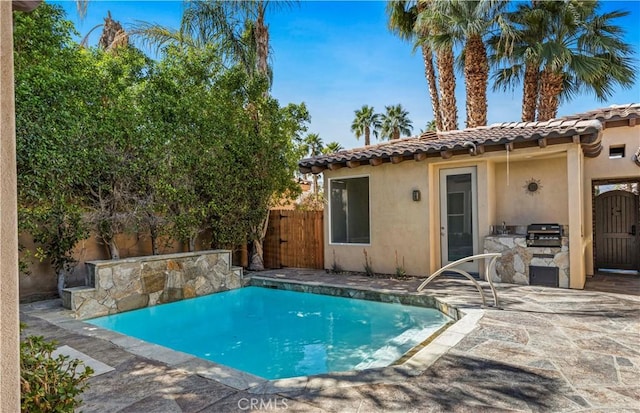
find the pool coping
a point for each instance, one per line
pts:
(416, 364)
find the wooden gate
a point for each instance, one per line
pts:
(294, 239)
(616, 230)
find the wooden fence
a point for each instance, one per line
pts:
(294, 239)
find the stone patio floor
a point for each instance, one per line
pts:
(547, 350)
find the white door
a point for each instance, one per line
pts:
(458, 215)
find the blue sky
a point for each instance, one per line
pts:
(337, 56)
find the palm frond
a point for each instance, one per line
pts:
(153, 35)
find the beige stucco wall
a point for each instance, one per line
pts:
(413, 228)
(9, 330)
(400, 224)
(602, 167)
(516, 206)
(397, 222)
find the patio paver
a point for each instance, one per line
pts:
(548, 350)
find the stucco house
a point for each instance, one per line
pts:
(438, 197)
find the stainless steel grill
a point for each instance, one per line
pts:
(544, 235)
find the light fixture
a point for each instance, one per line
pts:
(416, 195)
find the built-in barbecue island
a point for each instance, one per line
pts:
(537, 254)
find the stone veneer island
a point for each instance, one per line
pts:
(513, 266)
(121, 285)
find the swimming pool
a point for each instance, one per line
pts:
(278, 334)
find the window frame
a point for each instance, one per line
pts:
(368, 176)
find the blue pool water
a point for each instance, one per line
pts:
(277, 334)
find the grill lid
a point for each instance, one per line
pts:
(545, 228)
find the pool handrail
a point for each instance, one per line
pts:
(489, 268)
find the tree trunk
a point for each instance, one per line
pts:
(530, 92)
(257, 256)
(395, 134)
(550, 89)
(447, 79)
(62, 281)
(430, 75)
(154, 243)
(192, 244)
(476, 73)
(315, 186)
(257, 260)
(367, 136)
(153, 234)
(262, 42)
(114, 252)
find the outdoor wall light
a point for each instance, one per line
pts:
(416, 195)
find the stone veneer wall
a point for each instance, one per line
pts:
(513, 266)
(131, 283)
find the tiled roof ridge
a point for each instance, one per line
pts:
(587, 127)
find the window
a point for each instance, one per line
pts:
(616, 152)
(349, 210)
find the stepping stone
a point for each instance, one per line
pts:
(97, 366)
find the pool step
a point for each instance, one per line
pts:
(70, 295)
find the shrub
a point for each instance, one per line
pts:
(368, 264)
(400, 270)
(48, 383)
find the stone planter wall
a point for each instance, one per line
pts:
(127, 284)
(513, 266)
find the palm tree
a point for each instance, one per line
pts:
(112, 37)
(395, 122)
(431, 127)
(313, 146)
(516, 45)
(565, 48)
(403, 16)
(237, 27)
(432, 28)
(332, 147)
(365, 122)
(467, 23)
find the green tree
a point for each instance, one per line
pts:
(403, 16)
(366, 121)
(332, 147)
(467, 23)
(120, 166)
(395, 122)
(431, 127)
(237, 28)
(52, 83)
(434, 33)
(313, 146)
(563, 48)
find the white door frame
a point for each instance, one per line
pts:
(444, 239)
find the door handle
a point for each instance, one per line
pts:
(633, 230)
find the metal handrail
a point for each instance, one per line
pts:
(489, 267)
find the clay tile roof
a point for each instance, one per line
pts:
(611, 113)
(587, 127)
